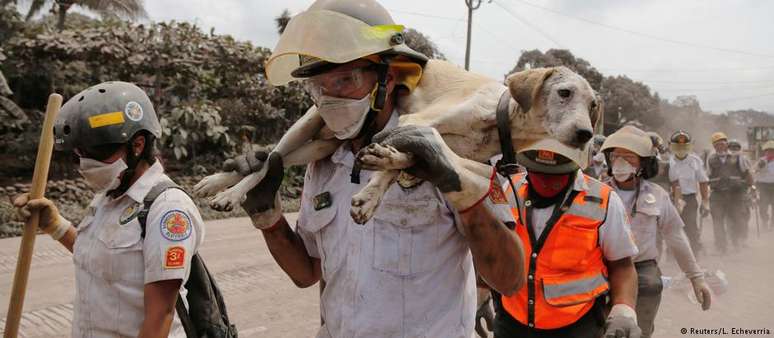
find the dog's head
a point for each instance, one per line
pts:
(556, 102)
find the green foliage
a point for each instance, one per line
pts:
(628, 101)
(192, 128)
(204, 86)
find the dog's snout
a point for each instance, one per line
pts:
(583, 135)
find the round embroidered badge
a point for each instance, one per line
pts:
(175, 225)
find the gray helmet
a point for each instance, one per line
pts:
(108, 113)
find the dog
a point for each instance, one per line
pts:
(544, 102)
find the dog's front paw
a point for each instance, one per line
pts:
(364, 204)
(378, 157)
(215, 183)
(226, 200)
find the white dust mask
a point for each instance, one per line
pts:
(345, 117)
(622, 170)
(102, 176)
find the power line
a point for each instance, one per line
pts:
(428, 15)
(646, 35)
(528, 24)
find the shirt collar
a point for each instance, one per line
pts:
(143, 185)
(344, 156)
(580, 182)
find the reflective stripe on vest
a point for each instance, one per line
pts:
(566, 270)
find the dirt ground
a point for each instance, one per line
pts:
(264, 303)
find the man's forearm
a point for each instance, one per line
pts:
(623, 282)
(289, 251)
(704, 189)
(497, 252)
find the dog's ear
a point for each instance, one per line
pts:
(525, 86)
(596, 110)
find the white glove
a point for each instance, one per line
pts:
(50, 221)
(705, 207)
(680, 205)
(702, 292)
(622, 323)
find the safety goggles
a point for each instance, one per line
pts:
(631, 158)
(340, 83)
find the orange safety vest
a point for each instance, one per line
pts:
(565, 267)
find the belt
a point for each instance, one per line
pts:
(691, 194)
(647, 262)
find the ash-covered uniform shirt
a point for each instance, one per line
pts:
(688, 172)
(656, 214)
(408, 272)
(113, 263)
(615, 237)
(765, 171)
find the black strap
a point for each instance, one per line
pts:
(142, 217)
(147, 202)
(185, 319)
(367, 132)
(507, 164)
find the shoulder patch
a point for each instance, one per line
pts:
(175, 225)
(174, 258)
(497, 195)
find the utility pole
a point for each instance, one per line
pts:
(472, 6)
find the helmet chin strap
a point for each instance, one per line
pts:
(368, 131)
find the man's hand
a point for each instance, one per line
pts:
(680, 205)
(262, 203)
(705, 208)
(486, 314)
(246, 163)
(702, 292)
(50, 221)
(622, 323)
(428, 151)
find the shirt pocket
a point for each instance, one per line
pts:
(573, 247)
(645, 224)
(123, 255)
(406, 232)
(320, 223)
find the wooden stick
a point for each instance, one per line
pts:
(39, 178)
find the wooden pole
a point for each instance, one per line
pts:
(39, 178)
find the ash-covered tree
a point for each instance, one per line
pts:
(421, 43)
(127, 9)
(282, 20)
(559, 57)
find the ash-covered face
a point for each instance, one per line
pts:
(571, 107)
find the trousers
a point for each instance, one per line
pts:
(689, 219)
(729, 218)
(649, 286)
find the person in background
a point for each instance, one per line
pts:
(630, 153)
(688, 177)
(729, 179)
(765, 183)
(598, 168)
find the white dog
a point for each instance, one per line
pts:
(461, 106)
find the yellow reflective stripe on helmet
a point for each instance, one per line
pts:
(381, 31)
(106, 119)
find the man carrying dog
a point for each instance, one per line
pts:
(409, 271)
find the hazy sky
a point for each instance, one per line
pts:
(720, 50)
